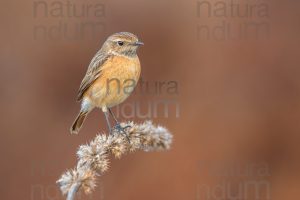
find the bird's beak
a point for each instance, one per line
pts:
(138, 43)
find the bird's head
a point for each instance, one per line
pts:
(123, 43)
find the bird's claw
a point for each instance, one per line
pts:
(122, 130)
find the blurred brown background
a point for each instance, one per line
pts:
(239, 99)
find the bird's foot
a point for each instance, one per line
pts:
(122, 130)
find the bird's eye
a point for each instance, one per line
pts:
(120, 43)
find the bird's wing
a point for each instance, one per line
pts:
(93, 72)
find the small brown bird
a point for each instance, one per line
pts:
(110, 78)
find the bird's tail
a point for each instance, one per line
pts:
(75, 128)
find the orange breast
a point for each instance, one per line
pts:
(118, 78)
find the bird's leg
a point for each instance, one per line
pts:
(107, 122)
(118, 126)
(112, 114)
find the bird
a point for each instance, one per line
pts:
(110, 78)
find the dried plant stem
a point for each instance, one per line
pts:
(72, 192)
(93, 157)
